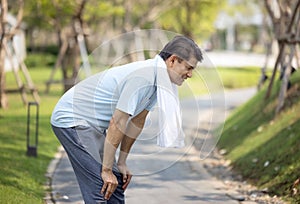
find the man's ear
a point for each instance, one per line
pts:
(173, 58)
(170, 61)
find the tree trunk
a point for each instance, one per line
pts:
(278, 60)
(285, 81)
(73, 60)
(283, 27)
(3, 97)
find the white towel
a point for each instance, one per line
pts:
(170, 121)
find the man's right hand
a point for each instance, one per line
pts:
(110, 183)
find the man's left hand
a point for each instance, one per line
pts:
(126, 175)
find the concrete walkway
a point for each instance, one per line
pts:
(167, 175)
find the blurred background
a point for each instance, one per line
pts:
(63, 33)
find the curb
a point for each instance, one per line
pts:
(48, 199)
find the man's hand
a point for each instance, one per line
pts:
(126, 175)
(115, 134)
(110, 183)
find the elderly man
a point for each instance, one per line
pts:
(109, 109)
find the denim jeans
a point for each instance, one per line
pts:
(84, 147)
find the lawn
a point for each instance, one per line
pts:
(218, 79)
(22, 178)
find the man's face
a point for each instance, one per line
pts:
(179, 70)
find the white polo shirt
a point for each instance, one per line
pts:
(130, 88)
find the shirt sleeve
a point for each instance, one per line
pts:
(133, 94)
(153, 101)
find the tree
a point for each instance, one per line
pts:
(108, 18)
(6, 34)
(69, 19)
(285, 16)
(69, 55)
(48, 15)
(193, 18)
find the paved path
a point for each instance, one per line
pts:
(168, 175)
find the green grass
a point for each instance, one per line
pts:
(239, 77)
(22, 178)
(254, 137)
(213, 80)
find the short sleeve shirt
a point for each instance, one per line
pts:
(130, 88)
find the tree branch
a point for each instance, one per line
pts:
(14, 29)
(297, 5)
(269, 10)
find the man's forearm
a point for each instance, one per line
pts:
(112, 141)
(126, 145)
(115, 134)
(133, 130)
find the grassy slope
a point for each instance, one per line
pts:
(265, 148)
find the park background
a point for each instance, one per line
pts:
(265, 131)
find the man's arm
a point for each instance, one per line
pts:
(119, 132)
(134, 129)
(115, 134)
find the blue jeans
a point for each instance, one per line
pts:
(84, 146)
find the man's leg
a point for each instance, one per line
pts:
(93, 140)
(87, 169)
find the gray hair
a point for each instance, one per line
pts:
(183, 47)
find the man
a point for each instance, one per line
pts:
(108, 110)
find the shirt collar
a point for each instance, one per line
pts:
(160, 62)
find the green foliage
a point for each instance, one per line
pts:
(264, 148)
(45, 14)
(97, 11)
(39, 60)
(193, 18)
